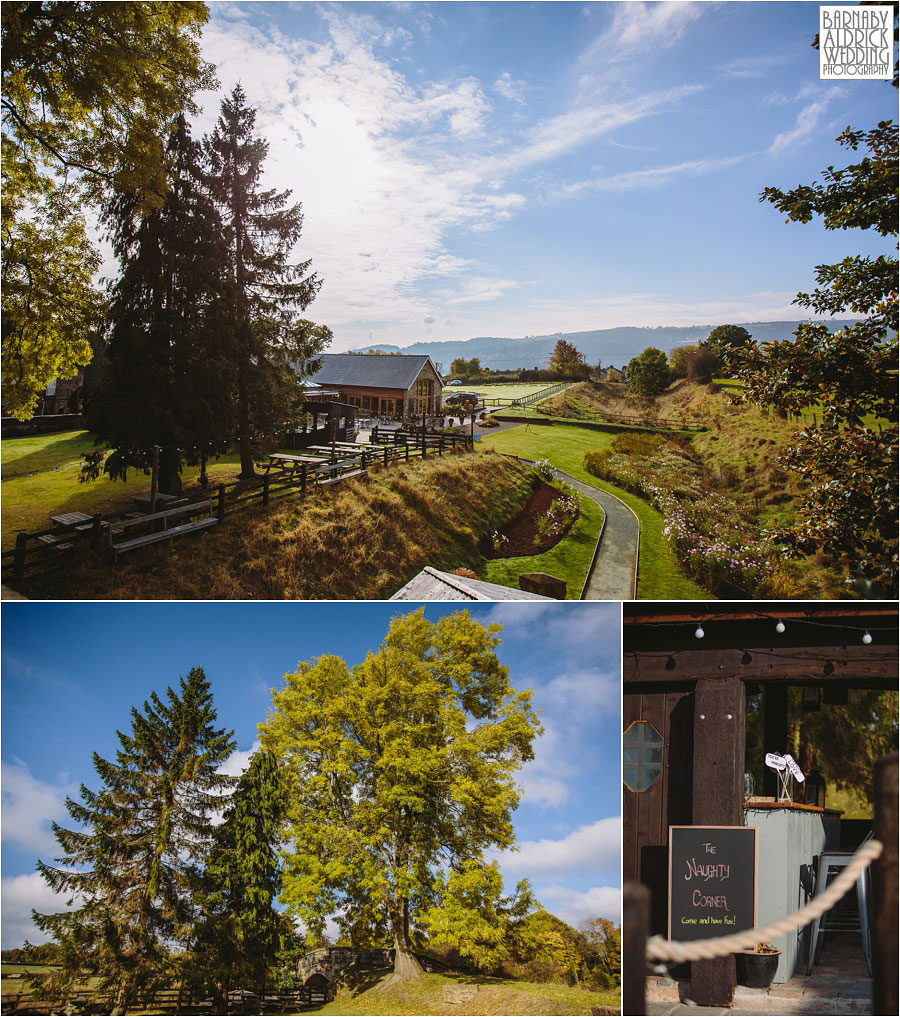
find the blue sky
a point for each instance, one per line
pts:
(517, 169)
(72, 672)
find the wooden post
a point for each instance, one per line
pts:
(96, 532)
(386, 455)
(220, 509)
(154, 478)
(303, 478)
(19, 560)
(407, 451)
(884, 886)
(265, 490)
(635, 929)
(718, 797)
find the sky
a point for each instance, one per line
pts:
(72, 672)
(512, 169)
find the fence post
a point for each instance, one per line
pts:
(884, 885)
(220, 509)
(96, 532)
(386, 454)
(303, 478)
(19, 561)
(407, 451)
(265, 490)
(635, 928)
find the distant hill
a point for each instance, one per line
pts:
(614, 346)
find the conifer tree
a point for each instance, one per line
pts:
(167, 376)
(241, 932)
(129, 864)
(268, 290)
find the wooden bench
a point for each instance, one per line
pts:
(342, 476)
(167, 532)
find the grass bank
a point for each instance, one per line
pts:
(425, 995)
(659, 577)
(359, 540)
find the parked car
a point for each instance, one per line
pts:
(455, 381)
(463, 397)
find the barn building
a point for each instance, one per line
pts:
(381, 384)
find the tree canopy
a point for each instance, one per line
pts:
(89, 89)
(849, 456)
(400, 775)
(567, 359)
(648, 374)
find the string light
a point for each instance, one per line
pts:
(779, 628)
(867, 637)
(699, 633)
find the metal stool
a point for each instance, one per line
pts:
(839, 919)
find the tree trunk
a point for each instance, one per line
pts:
(406, 965)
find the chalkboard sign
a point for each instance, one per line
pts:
(712, 881)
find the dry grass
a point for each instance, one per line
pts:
(362, 539)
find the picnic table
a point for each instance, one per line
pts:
(69, 520)
(289, 463)
(163, 501)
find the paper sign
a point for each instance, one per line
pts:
(796, 772)
(775, 761)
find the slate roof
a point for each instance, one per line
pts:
(430, 584)
(370, 371)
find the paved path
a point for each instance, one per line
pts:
(612, 577)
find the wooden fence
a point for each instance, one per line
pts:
(666, 423)
(46, 551)
(166, 1000)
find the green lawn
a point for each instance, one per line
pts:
(41, 477)
(425, 995)
(659, 577)
(570, 559)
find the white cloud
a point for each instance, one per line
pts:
(29, 806)
(639, 27)
(19, 895)
(238, 761)
(806, 124)
(657, 177)
(575, 907)
(510, 88)
(545, 779)
(596, 846)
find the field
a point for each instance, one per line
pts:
(500, 390)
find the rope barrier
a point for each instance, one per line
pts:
(659, 949)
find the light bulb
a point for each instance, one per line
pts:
(779, 628)
(867, 638)
(699, 634)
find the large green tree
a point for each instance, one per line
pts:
(400, 775)
(848, 455)
(268, 290)
(167, 377)
(88, 90)
(648, 374)
(241, 932)
(129, 863)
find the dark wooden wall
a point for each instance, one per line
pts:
(667, 802)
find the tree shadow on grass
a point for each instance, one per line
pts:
(54, 453)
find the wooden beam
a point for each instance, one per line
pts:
(865, 667)
(719, 735)
(662, 614)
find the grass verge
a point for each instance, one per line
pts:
(659, 576)
(425, 995)
(570, 559)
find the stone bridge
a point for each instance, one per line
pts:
(322, 968)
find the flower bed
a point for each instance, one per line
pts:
(714, 538)
(547, 516)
